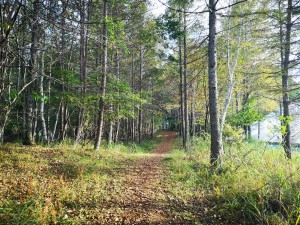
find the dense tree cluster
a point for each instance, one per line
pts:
(78, 70)
(249, 50)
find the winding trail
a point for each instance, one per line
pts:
(146, 199)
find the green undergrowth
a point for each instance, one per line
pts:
(63, 184)
(257, 184)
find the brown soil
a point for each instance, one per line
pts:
(146, 198)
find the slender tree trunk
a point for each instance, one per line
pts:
(185, 87)
(152, 112)
(192, 125)
(29, 103)
(62, 122)
(132, 123)
(181, 93)
(61, 130)
(206, 117)
(56, 121)
(117, 131)
(141, 89)
(118, 106)
(286, 102)
(111, 112)
(127, 129)
(245, 99)
(3, 124)
(42, 104)
(1, 134)
(231, 70)
(9, 11)
(216, 139)
(3, 74)
(35, 120)
(22, 78)
(111, 126)
(179, 127)
(83, 66)
(249, 131)
(103, 78)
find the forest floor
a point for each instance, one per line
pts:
(66, 185)
(147, 200)
(155, 182)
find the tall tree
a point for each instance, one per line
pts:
(83, 11)
(231, 66)
(103, 78)
(32, 75)
(181, 86)
(9, 13)
(216, 139)
(285, 76)
(185, 83)
(141, 73)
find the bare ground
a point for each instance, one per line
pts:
(146, 198)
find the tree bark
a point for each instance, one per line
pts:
(4, 118)
(111, 126)
(83, 66)
(8, 18)
(141, 89)
(185, 86)
(56, 120)
(192, 123)
(181, 93)
(132, 124)
(42, 103)
(216, 139)
(285, 74)
(152, 111)
(231, 70)
(29, 102)
(103, 79)
(61, 127)
(118, 122)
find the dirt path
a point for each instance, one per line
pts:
(145, 199)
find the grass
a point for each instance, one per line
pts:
(67, 185)
(256, 186)
(62, 184)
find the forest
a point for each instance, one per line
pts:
(149, 112)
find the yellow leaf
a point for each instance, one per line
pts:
(218, 191)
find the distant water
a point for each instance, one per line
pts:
(270, 126)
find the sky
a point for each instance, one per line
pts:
(157, 8)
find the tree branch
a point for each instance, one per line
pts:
(225, 7)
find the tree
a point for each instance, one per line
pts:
(216, 139)
(176, 26)
(285, 74)
(32, 76)
(103, 78)
(83, 11)
(8, 96)
(231, 66)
